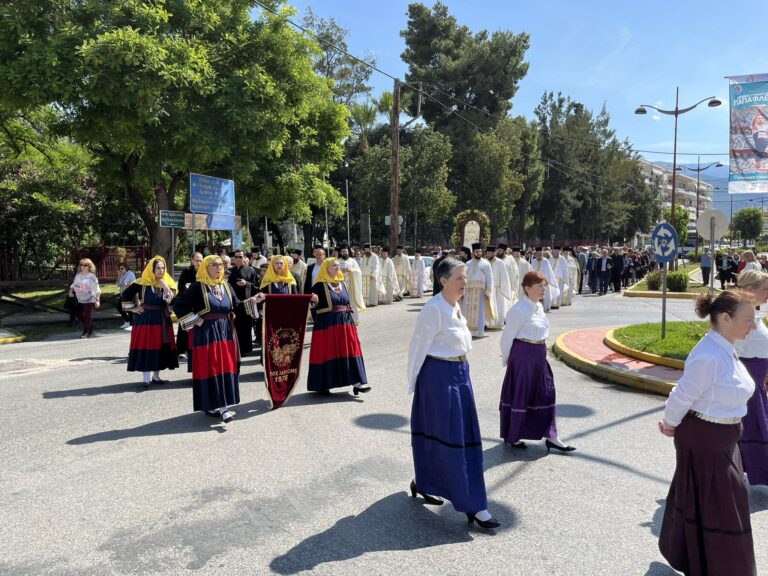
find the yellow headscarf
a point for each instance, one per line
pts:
(202, 272)
(271, 274)
(148, 278)
(324, 276)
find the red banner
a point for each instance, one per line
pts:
(285, 322)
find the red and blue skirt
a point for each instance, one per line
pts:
(152, 342)
(335, 358)
(214, 363)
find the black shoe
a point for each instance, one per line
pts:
(432, 500)
(212, 413)
(159, 382)
(227, 416)
(487, 524)
(145, 385)
(551, 445)
(520, 445)
(362, 388)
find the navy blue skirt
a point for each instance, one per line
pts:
(445, 436)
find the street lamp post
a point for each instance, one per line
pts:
(713, 102)
(698, 171)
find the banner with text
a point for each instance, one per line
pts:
(748, 172)
(285, 322)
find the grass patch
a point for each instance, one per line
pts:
(680, 340)
(39, 332)
(53, 296)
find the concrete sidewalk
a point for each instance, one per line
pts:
(585, 351)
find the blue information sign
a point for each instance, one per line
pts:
(665, 243)
(209, 195)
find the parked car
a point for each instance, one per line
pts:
(428, 260)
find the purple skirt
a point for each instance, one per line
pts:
(527, 405)
(754, 437)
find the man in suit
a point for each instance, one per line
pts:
(604, 264)
(313, 269)
(582, 258)
(617, 267)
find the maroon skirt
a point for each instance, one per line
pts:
(706, 529)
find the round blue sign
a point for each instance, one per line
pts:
(665, 243)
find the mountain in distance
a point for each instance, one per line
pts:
(717, 176)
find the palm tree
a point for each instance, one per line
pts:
(363, 121)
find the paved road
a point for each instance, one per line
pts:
(102, 478)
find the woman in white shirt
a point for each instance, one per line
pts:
(753, 353)
(706, 528)
(86, 288)
(445, 432)
(527, 405)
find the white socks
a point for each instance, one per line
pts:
(557, 442)
(146, 377)
(483, 515)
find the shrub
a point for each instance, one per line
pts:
(653, 279)
(677, 281)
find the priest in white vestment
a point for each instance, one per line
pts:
(512, 272)
(523, 267)
(477, 303)
(502, 291)
(390, 288)
(418, 275)
(299, 267)
(560, 268)
(543, 267)
(354, 280)
(573, 276)
(402, 268)
(371, 276)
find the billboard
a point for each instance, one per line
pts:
(748, 171)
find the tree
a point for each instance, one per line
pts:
(748, 222)
(682, 217)
(155, 95)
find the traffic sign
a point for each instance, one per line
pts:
(171, 219)
(704, 225)
(665, 243)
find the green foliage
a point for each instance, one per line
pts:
(677, 281)
(682, 217)
(748, 222)
(653, 280)
(462, 218)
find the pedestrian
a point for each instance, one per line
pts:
(391, 290)
(749, 262)
(299, 267)
(186, 278)
(477, 302)
(242, 280)
(706, 265)
(152, 346)
(278, 278)
(527, 404)
(371, 274)
(445, 431)
(125, 277)
(706, 528)
(85, 287)
(582, 258)
(206, 310)
(335, 356)
(403, 269)
(753, 353)
(541, 265)
(418, 275)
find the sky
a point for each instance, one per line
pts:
(599, 53)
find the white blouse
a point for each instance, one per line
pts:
(756, 344)
(714, 382)
(526, 319)
(441, 331)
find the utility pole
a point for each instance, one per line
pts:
(395, 188)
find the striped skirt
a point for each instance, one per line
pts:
(445, 436)
(754, 436)
(335, 357)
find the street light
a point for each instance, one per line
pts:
(713, 102)
(698, 171)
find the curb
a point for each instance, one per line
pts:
(610, 340)
(12, 339)
(623, 377)
(654, 294)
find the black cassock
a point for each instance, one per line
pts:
(187, 277)
(243, 323)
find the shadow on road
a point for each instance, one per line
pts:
(758, 499)
(184, 424)
(660, 569)
(655, 523)
(397, 522)
(126, 388)
(112, 359)
(573, 411)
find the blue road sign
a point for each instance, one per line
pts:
(665, 243)
(209, 195)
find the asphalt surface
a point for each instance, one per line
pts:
(100, 477)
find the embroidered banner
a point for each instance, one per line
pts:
(749, 134)
(285, 322)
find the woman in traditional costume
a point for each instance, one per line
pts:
(335, 358)
(148, 299)
(527, 405)
(206, 310)
(278, 278)
(706, 528)
(445, 432)
(753, 353)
